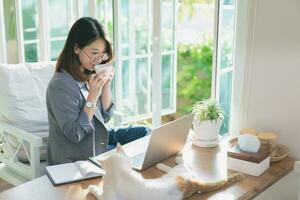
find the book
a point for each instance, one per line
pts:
(94, 161)
(246, 162)
(73, 172)
(254, 169)
(236, 152)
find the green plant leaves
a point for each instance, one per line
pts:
(208, 110)
(194, 74)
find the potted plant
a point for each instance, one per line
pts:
(207, 122)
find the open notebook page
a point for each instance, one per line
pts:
(72, 172)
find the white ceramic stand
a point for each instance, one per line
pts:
(205, 143)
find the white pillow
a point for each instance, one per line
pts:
(23, 95)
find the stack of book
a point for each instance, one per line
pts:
(247, 162)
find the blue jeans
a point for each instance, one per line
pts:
(125, 135)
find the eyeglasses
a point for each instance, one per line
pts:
(96, 59)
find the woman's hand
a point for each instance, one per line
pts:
(109, 78)
(106, 96)
(96, 83)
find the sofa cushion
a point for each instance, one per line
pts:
(23, 95)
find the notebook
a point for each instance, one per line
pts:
(94, 161)
(73, 172)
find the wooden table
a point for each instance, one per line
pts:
(208, 163)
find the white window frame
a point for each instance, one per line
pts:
(227, 69)
(174, 53)
(43, 33)
(217, 72)
(215, 52)
(119, 58)
(93, 8)
(3, 53)
(70, 14)
(154, 57)
(105, 14)
(43, 39)
(245, 29)
(20, 35)
(118, 62)
(77, 9)
(156, 63)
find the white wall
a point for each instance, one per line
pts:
(271, 93)
(267, 78)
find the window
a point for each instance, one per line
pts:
(135, 28)
(134, 58)
(30, 30)
(59, 25)
(195, 38)
(41, 36)
(9, 33)
(35, 30)
(225, 58)
(105, 15)
(169, 51)
(199, 60)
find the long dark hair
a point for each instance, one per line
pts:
(83, 32)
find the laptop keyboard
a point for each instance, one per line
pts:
(138, 159)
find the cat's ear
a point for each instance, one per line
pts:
(119, 148)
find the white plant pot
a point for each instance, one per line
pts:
(207, 130)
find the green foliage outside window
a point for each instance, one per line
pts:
(193, 74)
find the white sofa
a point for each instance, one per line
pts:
(23, 120)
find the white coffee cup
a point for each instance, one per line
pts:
(105, 69)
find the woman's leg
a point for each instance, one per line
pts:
(125, 135)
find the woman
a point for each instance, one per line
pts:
(79, 101)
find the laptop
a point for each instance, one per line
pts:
(163, 142)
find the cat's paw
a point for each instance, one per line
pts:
(94, 190)
(179, 160)
(163, 167)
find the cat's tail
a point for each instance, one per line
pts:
(191, 186)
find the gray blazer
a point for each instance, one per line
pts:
(72, 136)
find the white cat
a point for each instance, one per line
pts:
(122, 183)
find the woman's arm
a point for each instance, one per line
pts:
(106, 96)
(97, 84)
(67, 113)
